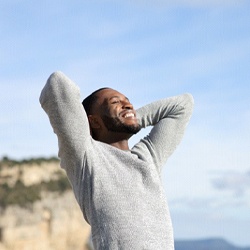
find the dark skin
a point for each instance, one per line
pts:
(115, 106)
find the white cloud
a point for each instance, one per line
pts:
(238, 183)
(210, 204)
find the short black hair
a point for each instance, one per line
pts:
(89, 101)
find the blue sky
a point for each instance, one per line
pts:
(147, 50)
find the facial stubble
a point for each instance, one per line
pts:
(114, 124)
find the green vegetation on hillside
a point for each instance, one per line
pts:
(6, 161)
(24, 196)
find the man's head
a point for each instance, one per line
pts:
(110, 114)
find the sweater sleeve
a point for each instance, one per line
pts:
(60, 98)
(169, 118)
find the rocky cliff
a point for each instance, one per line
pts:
(38, 210)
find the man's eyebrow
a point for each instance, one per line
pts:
(116, 96)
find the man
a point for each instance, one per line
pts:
(119, 190)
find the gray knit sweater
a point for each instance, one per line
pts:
(119, 192)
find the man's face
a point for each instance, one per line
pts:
(116, 112)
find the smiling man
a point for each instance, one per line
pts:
(112, 117)
(119, 190)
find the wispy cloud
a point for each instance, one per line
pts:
(209, 204)
(238, 183)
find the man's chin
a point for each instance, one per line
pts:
(133, 129)
(126, 129)
(116, 125)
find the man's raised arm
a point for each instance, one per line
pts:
(60, 98)
(169, 118)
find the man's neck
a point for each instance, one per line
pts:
(123, 145)
(118, 140)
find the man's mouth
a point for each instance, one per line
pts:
(129, 114)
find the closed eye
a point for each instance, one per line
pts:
(115, 101)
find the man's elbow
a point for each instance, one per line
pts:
(189, 99)
(188, 103)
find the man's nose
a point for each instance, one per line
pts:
(127, 105)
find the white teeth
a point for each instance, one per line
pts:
(129, 115)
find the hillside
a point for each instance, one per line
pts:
(38, 210)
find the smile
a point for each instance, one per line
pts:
(128, 115)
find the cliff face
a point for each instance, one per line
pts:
(51, 221)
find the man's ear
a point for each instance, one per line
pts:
(94, 122)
